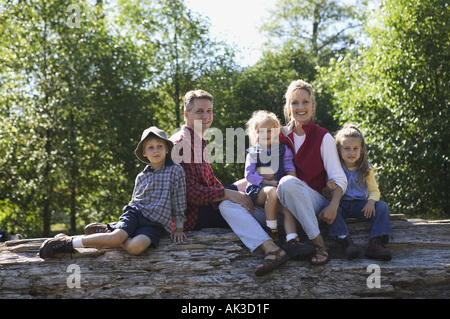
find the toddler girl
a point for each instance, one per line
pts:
(266, 163)
(361, 199)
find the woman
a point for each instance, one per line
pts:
(316, 160)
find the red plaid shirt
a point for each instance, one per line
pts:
(202, 186)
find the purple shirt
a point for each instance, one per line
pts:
(252, 175)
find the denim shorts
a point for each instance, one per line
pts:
(253, 191)
(134, 223)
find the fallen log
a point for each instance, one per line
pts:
(213, 263)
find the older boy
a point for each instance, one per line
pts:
(159, 196)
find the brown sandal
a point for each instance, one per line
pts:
(270, 264)
(321, 251)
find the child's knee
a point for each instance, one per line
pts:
(136, 249)
(381, 207)
(117, 237)
(272, 193)
(137, 245)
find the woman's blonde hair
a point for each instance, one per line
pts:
(293, 87)
(351, 131)
(259, 118)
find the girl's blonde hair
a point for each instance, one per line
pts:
(351, 131)
(293, 87)
(259, 118)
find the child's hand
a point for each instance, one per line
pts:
(331, 184)
(329, 188)
(369, 209)
(270, 182)
(273, 183)
(178, 235)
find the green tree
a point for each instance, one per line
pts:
(320, 27)
(30, 104)
(183, 58)
(79, 83)
(184, 55)
(397, 89)
(72, 110)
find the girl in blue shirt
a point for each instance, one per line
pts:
(361, 199)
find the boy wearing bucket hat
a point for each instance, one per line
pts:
(158, 202)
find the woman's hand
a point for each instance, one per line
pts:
(328, 214)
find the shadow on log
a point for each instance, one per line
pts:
(213, 263)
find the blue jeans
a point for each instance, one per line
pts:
(379, 224)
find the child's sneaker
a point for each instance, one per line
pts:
(274, 234)
(297, 249)
(55, 246)
(96, 228)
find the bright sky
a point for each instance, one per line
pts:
(236, 21)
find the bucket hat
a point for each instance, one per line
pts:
(158, 133)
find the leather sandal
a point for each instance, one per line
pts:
(321, 251)
(269, 264)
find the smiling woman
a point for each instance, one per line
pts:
(301, 108)
(315, 159)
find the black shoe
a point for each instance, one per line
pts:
(349, 247)
(297, 249)
(275, 236)
(55, 246)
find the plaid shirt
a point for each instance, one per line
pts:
(202, 186)
(160, 194)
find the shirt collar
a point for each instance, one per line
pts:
(149, 168)
(289, 128)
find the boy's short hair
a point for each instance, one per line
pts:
(148, 133)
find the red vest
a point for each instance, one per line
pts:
(308, 161)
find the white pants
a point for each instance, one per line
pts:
(303, 202)
(245, 224)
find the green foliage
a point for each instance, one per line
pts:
(74, 100)
(16, 221)
(181, 56)
(320, 27)
(72, 110)
(397, 89)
